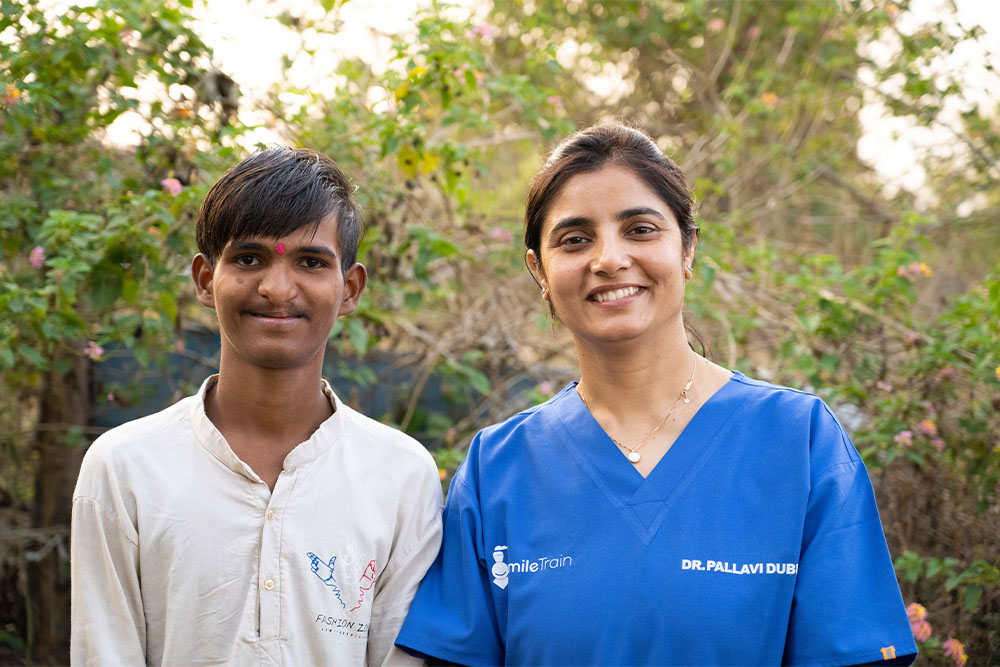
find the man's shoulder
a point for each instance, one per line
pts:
(140, 437)
(387, 441)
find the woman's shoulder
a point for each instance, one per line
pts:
(800, 414)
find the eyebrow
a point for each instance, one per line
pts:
(262, 247)
(583, 221)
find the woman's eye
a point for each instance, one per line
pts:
(641, 230)
(574, 239)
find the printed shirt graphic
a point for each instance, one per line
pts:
(356, 592)
(756, 540)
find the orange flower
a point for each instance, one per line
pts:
(769, 99)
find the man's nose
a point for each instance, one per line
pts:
(277, 284)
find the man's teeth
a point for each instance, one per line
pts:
(614, 295)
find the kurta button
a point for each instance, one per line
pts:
(268, 584)
(270, 514)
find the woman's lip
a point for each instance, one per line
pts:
(639, 289)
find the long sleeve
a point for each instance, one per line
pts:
(108, 626)
(416, 545)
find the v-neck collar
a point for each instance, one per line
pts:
(643, 501)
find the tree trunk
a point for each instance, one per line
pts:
(65, 402)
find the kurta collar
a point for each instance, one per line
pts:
(319, 443)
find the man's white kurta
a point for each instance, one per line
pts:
(182, 556)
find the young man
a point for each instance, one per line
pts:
(261, 521)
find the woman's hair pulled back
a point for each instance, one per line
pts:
(599, 146)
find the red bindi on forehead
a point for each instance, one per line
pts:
(279, 248)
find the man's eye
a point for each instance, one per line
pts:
(247, 260)
(313, 263)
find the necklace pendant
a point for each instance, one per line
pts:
(634, 456)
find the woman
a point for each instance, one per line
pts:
(662, 510)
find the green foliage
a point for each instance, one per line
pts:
(807, 274)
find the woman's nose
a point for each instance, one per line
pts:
(611, 255)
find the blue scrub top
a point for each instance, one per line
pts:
(755, 540)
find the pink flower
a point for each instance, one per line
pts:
(916, 611)
(928, 427)
(753, 32)
(481, 30)
(938, 444)
(93, 350)
(172, 186)
(918, 622)
(884, 386)
(501, 234)
(904, 438)
(556, 101)
(11, 95)
(955, 650)
(545, 388)
(946, 372)
(37, 257)
(716, 24)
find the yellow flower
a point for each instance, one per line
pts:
(926, 270)
(998, 372)
(442, 473)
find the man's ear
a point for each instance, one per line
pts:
(537, 272)
(355, 280)
(202, 273)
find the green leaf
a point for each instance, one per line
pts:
(413, 300)
(33, 356)
(130, 290)
(168, 306)
(972, 595)
(358, 335)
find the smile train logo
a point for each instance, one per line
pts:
(502, 570)
(499, 569)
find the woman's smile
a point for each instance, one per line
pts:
(615, 295)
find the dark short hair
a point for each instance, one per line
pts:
(598, 146)
(274, 192)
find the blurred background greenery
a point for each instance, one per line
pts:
(815, 269)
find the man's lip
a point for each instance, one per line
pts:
(276, 316)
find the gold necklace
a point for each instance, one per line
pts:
(633, 452)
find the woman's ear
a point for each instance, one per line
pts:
(202, 273)
(537, 272)
(689, 257)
